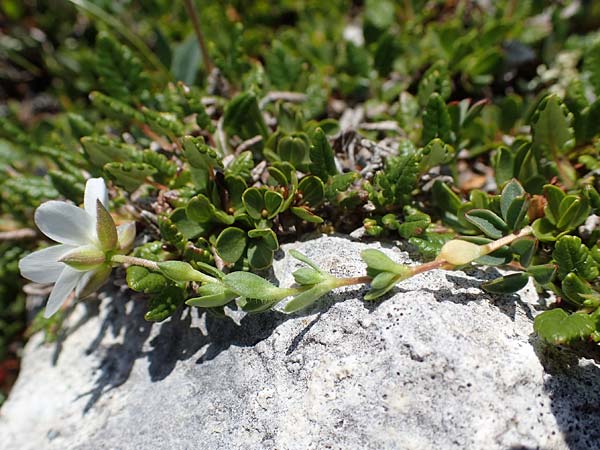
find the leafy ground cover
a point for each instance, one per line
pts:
(461, 127)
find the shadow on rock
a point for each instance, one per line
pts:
(118, 360)
(573, 385)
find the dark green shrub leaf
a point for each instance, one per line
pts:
(230, 244)
(543, 274)
(306, 215)
(163, 304)
(143, 280)
(558, 327)
(506, 284)
(488, 222)
(312, 190)
(571, 255)
(321, 156)
(573, 287)
(254, 203)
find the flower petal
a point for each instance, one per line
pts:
(43, 266)
(65, 223)
(65, 284)
(95, 189)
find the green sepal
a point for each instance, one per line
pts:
(106, 230)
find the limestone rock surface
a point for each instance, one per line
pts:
(436, 364)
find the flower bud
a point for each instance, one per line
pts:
(126, 236)
(86, 257)
(181, 271)
(459, 253)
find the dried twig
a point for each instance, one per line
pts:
(15, 235)
(273, 96)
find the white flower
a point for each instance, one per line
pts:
(87, 236)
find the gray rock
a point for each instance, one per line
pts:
(438, 364)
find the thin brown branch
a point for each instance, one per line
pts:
(16, 235)
(191, 10)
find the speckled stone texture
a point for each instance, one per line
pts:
(437, 364)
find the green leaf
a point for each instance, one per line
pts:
(247, 284)
(571, 255)
(308, 276)
(445, 198)
(260, 254)
(554, 196)
(525, 248)
(551, 126)
(129, 175)
(507, 284)
(230, 244)
(306, 215)
(102, 150)
(181, 271)
(544, 230)
(200, 155)
(321, 156)
(163, 304)
(301, 257)
(573, 212)
(312, 190)
(415, 223)
(294, 150)
(273, 202)
(254, 203)
(307, 298)
(436, 120)
(573, 287)
(186, 60)
(243, 117)
(543, 273)
(143, 280)
(511, 192)
(212, 295)
(558, 327)
(267, 235)
(503, 163)
(436, 152)
(488, 222)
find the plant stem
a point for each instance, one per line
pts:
(133, 261)
(191, 9)
(493, 246)
(119, 27)
(352, 280)
(438, 264)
